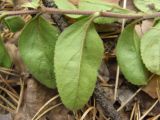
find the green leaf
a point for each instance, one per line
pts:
(5, 60)
(14, 23)
(34, 4)
(129, 58)
(37, 44)
(95, 5)
(65, 4)
(150, 49)
(147, 5)
(78, 54)
(98, 5)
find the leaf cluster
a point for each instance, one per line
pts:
(70, 60)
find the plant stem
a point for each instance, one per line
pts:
(81, 12)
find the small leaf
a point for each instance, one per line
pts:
(95, 5)
(36, 44)
(34, 4)
(129, 58)
(5, 60)
(147, 5)
(150, 49)
(151, 87)
(65, 4)
(98, 5)
(78, 55)
(14, 23)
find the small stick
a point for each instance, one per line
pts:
(146, 113)
(86, 112)
(10, 94)
(133, 112)
(49, 109)
(4, 81)
(128, 100)
(7, 108)
(156, 117)
(83, 12)
(47, 103)
(21, 95)
(8, 102)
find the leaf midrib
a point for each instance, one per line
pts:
(38, 35)
(80, 63)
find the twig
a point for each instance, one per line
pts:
(49, 109)
(46, 104)
(83, 12)
(94, 111)
(156, 117)
(10, 94)
(133, 112)
(86, 112)
(21, 95)
(107, 105)
(8, 73)
(8, 85)
(10, 81)
(142, 117)
(138, 112)
(128, 100)
(7, 108)
(116, 84)
(8, 102)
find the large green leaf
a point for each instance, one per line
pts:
(14, 23)
(150, 49)
(37, 44)
(78, 54)
(5, 60)
(147, 5)
(129, 58)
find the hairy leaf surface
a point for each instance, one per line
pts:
(150, 49)
(5, 60)
(148, 5)
(14, 23)
(37, 44)
(129, 58)
(78, 54)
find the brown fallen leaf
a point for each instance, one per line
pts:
(144, 27)
(151, 88)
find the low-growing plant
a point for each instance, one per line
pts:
(69, 60)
